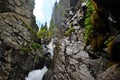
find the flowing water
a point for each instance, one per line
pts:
(51, 47)
(38, 74)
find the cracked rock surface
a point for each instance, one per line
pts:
(72, 62)
(16, 59)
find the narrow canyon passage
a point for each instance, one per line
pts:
(62, 40)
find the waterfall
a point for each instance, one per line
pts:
(51, 47)
(38, 74)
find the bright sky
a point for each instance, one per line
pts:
(43, 10)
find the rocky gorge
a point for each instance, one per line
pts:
(20, 51)
(87, 46)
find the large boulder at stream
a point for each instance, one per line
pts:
(19, 53)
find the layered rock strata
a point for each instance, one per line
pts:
(19, 53)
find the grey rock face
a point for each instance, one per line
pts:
(13, 31)
(72, 62)
(112, 73)
(17, 56)
(21, 7)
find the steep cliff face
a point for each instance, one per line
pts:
(19, 53)
(59, 11)
(23, 8)
(71, 61)
(89, 49)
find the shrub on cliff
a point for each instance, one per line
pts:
(95, 28)
(87, 22)
(45, 33)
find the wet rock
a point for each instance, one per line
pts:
(76, 27)
(48, 75)
(110, 74)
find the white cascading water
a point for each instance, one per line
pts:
(38, 74)
(51, 47)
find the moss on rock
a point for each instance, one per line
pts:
(69, 31)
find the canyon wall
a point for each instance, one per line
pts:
(90, 46)
(20, 49)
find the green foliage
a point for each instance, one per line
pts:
(69, 31)
(44, 26)
(25, 49)
(44, 33)
(109, 43)
(83, 0)
(90, 8)
(36, 45)
(60, 6)
(88, 31)
(87, 22)
(30, 47)
(29, 27)
(32, 31)
(96, 33)
(108, 40)
(93, 24)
